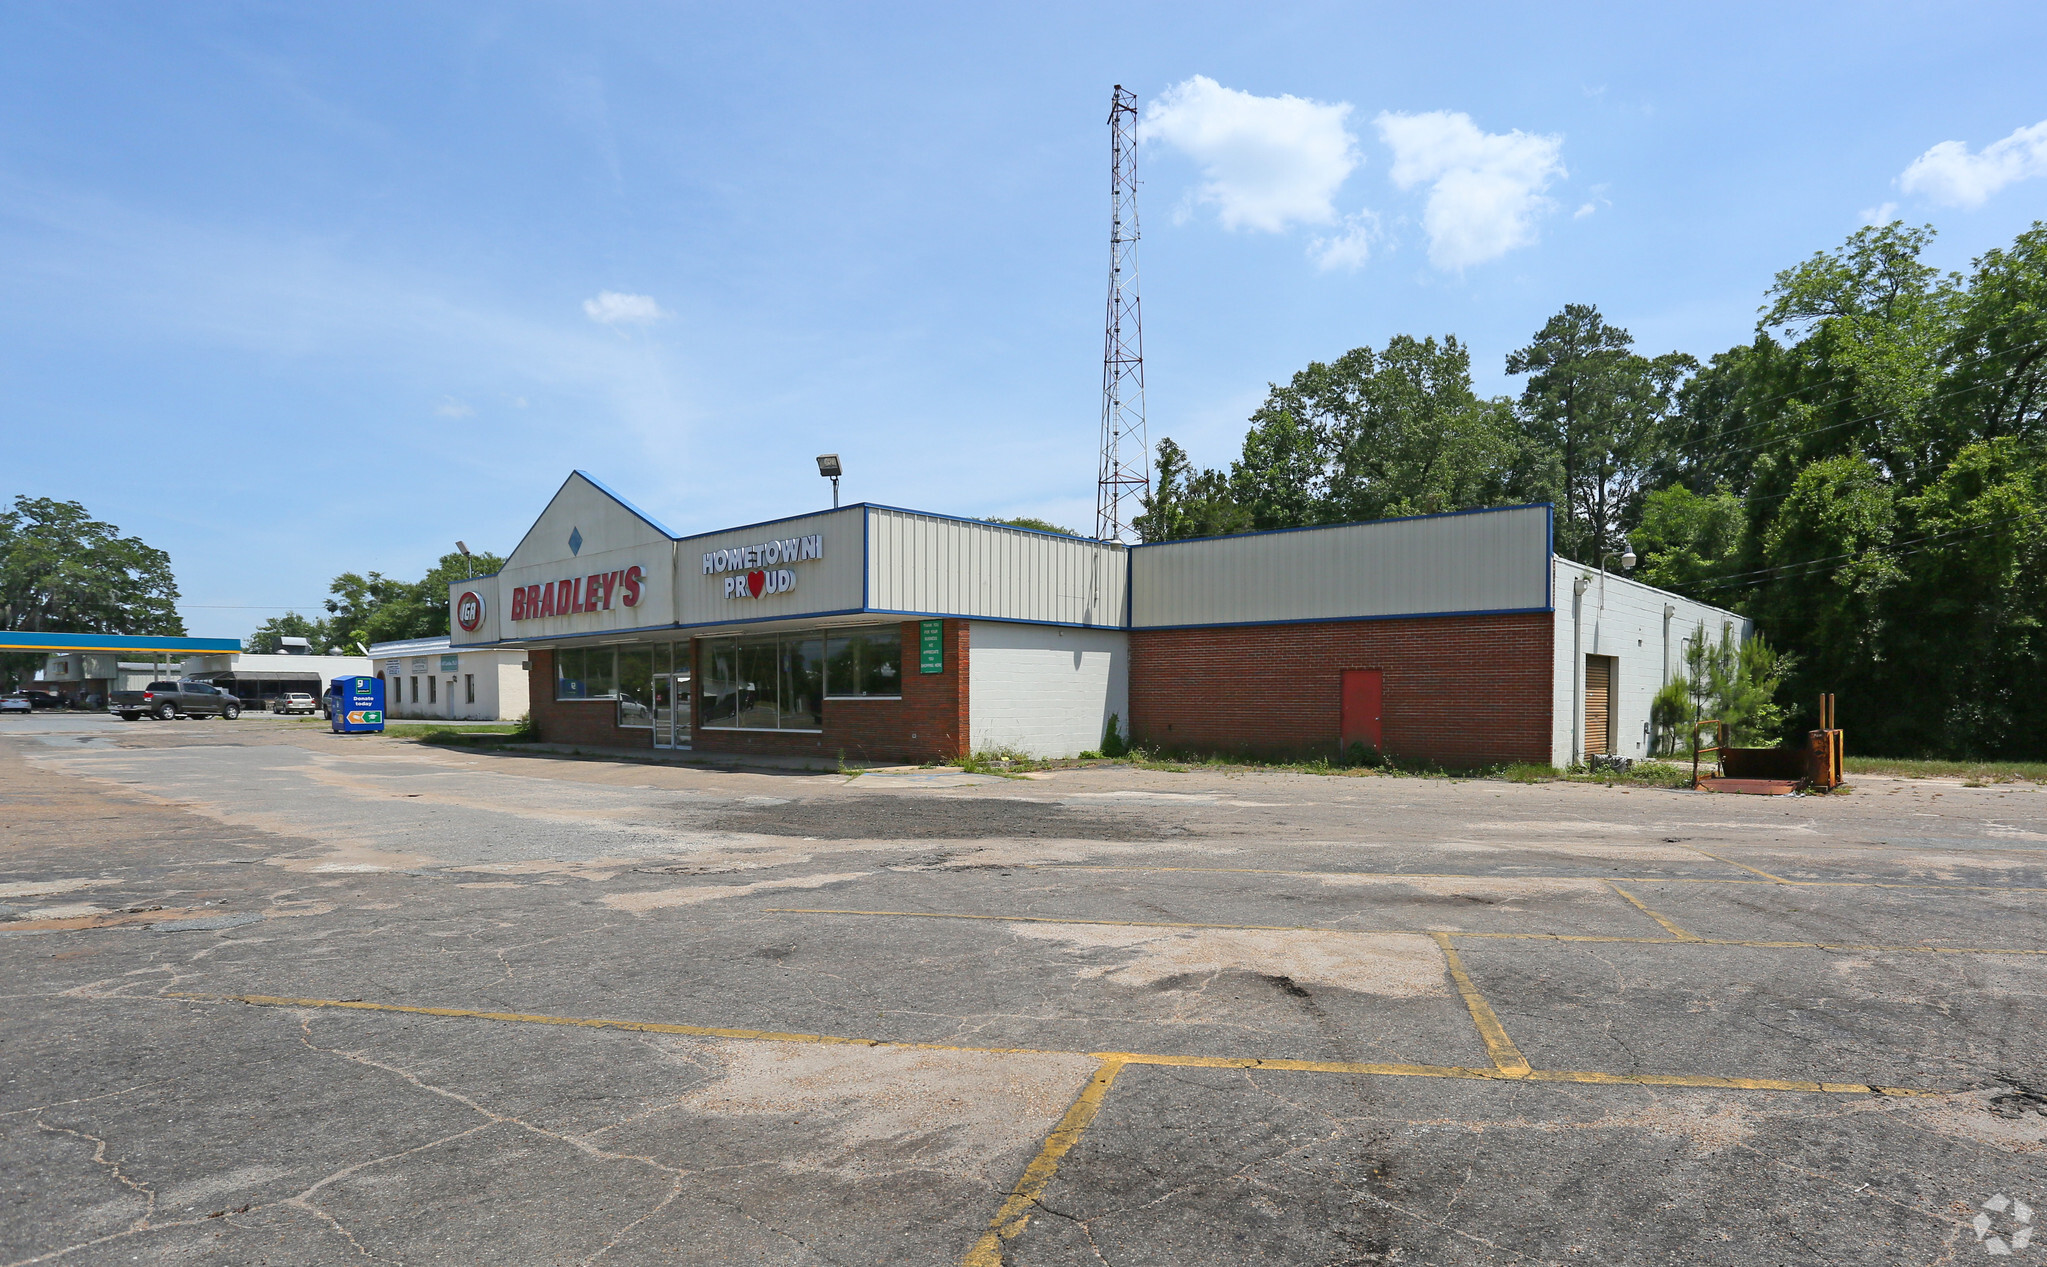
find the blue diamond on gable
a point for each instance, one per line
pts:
(575, 541)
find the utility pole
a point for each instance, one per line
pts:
(1126, 449)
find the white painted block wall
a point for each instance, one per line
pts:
(1623, 619)
(1045, 690)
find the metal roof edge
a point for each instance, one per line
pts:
(1352, 523)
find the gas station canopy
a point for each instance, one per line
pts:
(141, 645)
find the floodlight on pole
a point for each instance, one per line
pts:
(467, 558)
(828, 466)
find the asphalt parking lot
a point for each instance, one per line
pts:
(278, 996)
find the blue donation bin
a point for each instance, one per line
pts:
(355, 705)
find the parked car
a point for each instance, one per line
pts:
(16, 703)
(296, 702)
(166, 700)
(43, 699)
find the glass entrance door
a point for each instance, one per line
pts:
(671, 710)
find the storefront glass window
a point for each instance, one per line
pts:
(568, 674)
(586, 673)
(636, 685)
(865, 663)
(721, 688)
(803, 683)
(763, 682)
(760, 671)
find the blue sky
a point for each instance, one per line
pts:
(289, 290)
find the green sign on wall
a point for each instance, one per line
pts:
(931, 646)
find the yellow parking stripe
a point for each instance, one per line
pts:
(1639, 905)
(1507, 1058)
(1016, 1211)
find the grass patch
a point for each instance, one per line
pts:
(1007, 762)
(1980, 773)
(458, 733)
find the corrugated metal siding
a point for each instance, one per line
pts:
(924, 563)
(1486, 561)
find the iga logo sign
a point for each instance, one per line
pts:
(593, 593)
(755, 565)
(469, 611)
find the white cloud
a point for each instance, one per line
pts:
(452, 408)
(1882, 213)
(613, 308)
(1267, 163)
(1485, 188)
(1349, 248)
(1948, 173)
(1584, 209)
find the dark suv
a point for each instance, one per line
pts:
(166, 700)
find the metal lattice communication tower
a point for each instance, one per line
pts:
(1126, 450)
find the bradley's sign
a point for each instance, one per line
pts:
(592, 593)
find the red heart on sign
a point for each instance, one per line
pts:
(756, 582)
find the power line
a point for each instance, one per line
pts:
(1832, 426)
(1838, 375)
(1758, 575)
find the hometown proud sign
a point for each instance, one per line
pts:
(751, 571)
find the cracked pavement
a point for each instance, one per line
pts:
(705, 1016)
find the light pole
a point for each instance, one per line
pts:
(468, 560)
(828, 466)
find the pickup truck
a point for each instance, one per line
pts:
(166, 700)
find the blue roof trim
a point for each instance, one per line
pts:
(1549, 574)
(1331, 620)
(597, 484)
(605, 489)
(1398, 519)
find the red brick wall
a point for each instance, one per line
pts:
(1460, 691)
(588, 721)
(929, 723)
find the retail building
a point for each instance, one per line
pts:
(880, 633)
(426, 677)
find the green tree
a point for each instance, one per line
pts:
(1874, 327)
(1373, 435)
(1725, 682)
(270, 634)
(1973, 600)
(62, 571)
(367, 608)
(1184, 502)
(1687, 540)
(1592, 415)
(1038, 525)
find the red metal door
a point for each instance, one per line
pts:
(1362, 689)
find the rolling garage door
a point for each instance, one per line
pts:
(1598, 704)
